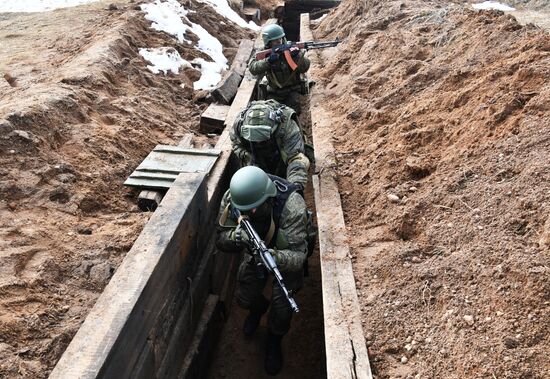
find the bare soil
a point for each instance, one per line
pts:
(79, 111)
(442, 131)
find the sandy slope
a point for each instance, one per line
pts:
(446, 110)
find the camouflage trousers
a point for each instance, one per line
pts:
(250, 291)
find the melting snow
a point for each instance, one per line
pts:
(164, 59)
(493, 5)
(38, 5)
(223, 8)
(170, 17)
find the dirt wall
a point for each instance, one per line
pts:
(441, 125)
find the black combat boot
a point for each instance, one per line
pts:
(258, 308)
(273, 354)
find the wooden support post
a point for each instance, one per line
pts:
(347, 355)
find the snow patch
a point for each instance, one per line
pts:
(171, 17)
(223, 8)
(164, 59)
(493, 5)
(9, 6)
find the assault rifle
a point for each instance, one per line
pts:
(264, 258)
(285, 49)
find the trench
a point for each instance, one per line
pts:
(194, 329)
(303, 347)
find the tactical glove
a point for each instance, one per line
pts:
(275, 254)
(294, 52)
(273, 58)
(240, 237)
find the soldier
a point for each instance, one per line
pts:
(267, 135)
(278, 214)
(284, 84)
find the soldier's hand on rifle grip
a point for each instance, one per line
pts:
(273, 58)
(240, 237)
(275, 254)
(294, 52)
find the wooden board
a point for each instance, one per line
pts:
(161, 167)
(213, 118)
(110, 342)
(240, 62)
(347, 356)
(225, 92)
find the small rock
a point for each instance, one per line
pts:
(416, 260)
(101, 272)
(393, 198)
(113, 7)
(480, 227)
(84, 230)
(413, 189)
(499, 313)
(409, 339)
(404, 359)
(469, 319)
(487, 319)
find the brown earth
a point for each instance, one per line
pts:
(442, 134)
(79, 111)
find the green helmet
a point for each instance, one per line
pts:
(250, 187)
(272, 32)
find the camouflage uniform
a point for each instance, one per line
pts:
(290, 245)
(282, 154)
(284, 85)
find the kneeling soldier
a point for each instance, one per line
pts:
(278, 214)
(267, 135)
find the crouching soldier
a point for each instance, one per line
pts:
(267, 135)
(283, 83)
(278, 214)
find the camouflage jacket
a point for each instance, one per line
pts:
(283, 155)
(289, 241)
(279, 75)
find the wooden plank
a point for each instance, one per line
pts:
(347, 355)
(149, 199)
(225, 92)
(207, 333)
(110, 341)
(240, 62)
(213, 118)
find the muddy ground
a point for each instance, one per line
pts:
(78, 112)
(442, 133)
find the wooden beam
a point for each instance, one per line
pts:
(240, 62)
(139, 297)
(225, 92)
(213, 118)
(229, 85)
(347, 355)
(148, 201)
